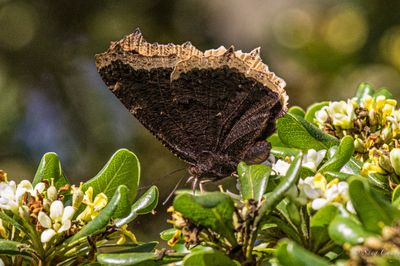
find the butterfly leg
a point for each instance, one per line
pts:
(202, 182)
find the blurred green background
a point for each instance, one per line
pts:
(52, 99)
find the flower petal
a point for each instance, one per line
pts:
(318, 203)
(47, 235)
(69, 211)
(100, 201)
(44, 220)
(65, 226)
(56, 210)
(39, 188)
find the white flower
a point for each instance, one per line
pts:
(8, 200)
(313, 159)
(319, 203)
(342, 113)
(321, 116)
(26, 186)
(309, 189)
(281, 167)
(58, 222)
(319, 192)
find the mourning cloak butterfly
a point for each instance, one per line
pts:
(212, 109)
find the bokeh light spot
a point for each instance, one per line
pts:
(293, 28)
(345, 28)
(18, 25)
(390, 46)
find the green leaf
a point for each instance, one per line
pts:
(341, 157)
(13, 248)
(102, 219)
(253, 180)
(297, 110)
(383, 92)
(50, 167)
(310, 114)
(363, 90)
(352, 166)
(346, 230)
(396, 197)
(339, 175)
(212, 210)
(5, 218)
(282, 152)
(208, 258)
(291, 178)
(319, 225)
(296, 132)
(128, 248)
(123, 168)
(145, 204)
(134, 258)
(372, 209)
(124, 205)
(291, 254)
(167, 234)
(275, 141)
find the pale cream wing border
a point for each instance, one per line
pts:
(186, 57)
(248, 63)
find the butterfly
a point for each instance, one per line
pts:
(212, 109)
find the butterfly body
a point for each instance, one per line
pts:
(212, 109)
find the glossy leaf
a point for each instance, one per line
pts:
(5, 218)
(341, 157)
(291, 178)
(383, 92)
(363, 90)
(208, 258)
(124, 205)
(372, 209)
(145, 204)
(128, 247)
(253, 180)
(212, 210)
(101, 220)
(275, 141)
(346, 230)
(122, 169)
(50, 167)
(13, 248)
(319, 225)
(353, 166)
(291, 254)
(282, 152)
(134, 258)
(339, 175)
(396, 197)
(310, 113)
(296, 132)
(297, 110)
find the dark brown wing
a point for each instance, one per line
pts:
(231, 99)
(138, 73)
(196, 103)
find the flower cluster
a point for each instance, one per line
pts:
(319, 192)
(315, 189)
(54, 213)
(311, 161)
(374, 125)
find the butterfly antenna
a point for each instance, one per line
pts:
(173, 191)
(162, 177)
